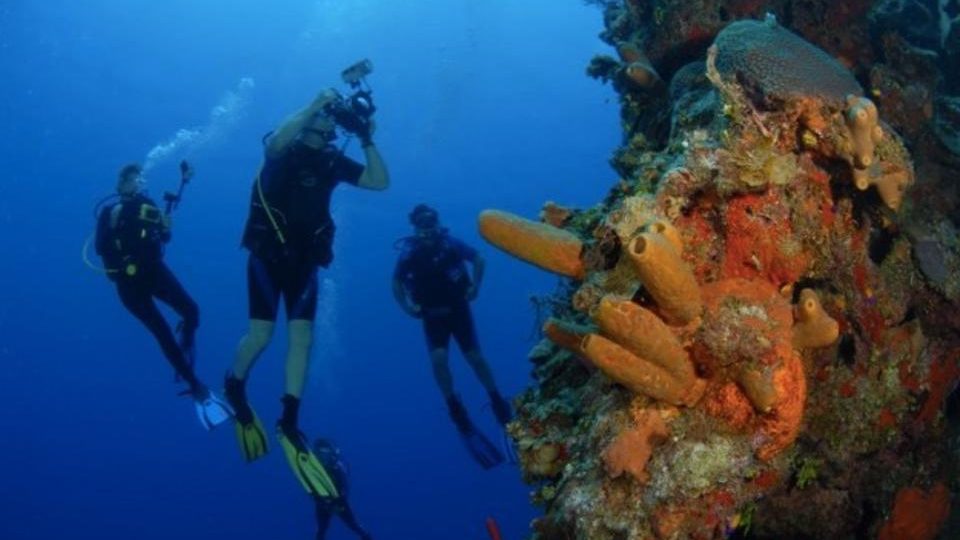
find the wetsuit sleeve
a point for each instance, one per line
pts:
(347, 170)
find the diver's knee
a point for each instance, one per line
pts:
(438, 356)
(191, 315)
(475, 357)
(300, 334)
(259, 334)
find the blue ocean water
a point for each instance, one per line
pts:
(480, 104)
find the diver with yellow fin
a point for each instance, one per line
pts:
(131, 234)
(289, 234)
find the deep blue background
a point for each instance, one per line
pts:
(482, 103)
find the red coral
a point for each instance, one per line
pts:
(917, 515)
(766, 479)
(849, 388)
(886, 420)
(944, 374)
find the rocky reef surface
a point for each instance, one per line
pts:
(757, 333)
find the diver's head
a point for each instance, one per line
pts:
(425, 221)
(320, 128)
(130, 180)
(323, 446)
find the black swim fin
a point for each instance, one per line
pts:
(509, 450)
(481, 449)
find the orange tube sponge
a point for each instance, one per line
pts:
(813, 327)
(542, 245)
(563, 335)
(645, 335)
(666, 277)
(781, 425)
(639, 375)
(668, 231)
(758, 388)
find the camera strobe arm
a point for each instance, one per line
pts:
(173, 199)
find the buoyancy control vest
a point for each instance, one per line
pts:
(290, 204)
(434, 272)
(131, 234)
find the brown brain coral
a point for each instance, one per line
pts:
(781, 66)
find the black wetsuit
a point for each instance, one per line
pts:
(297, 186)
(325, 508)
(434, 274)
(130, 239)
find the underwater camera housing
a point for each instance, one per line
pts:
(353, 112)
(355, 74)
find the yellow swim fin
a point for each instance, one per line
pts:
(305, 465)
(250, 433)
(252, 438)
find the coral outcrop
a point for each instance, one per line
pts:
(758, 332)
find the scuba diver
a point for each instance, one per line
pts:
(327, 507)
(289, 234)
(430, 282)
(130, 238)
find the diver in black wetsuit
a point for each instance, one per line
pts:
(326, 507)
(131, 234)
(431, 283)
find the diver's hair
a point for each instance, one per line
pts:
(127, 172)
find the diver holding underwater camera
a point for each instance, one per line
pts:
(131, 235)
(289, 235)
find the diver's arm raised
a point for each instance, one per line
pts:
(375, 175)
(280, 139)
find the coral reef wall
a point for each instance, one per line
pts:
(757, 331)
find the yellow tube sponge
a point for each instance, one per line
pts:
(758, 388)
(638, 375)
(813, 327)
(863, 122)
(891, 187)
(669, 232)
(548, 247)
(644, 334)
(891, 183)
(666, 277)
